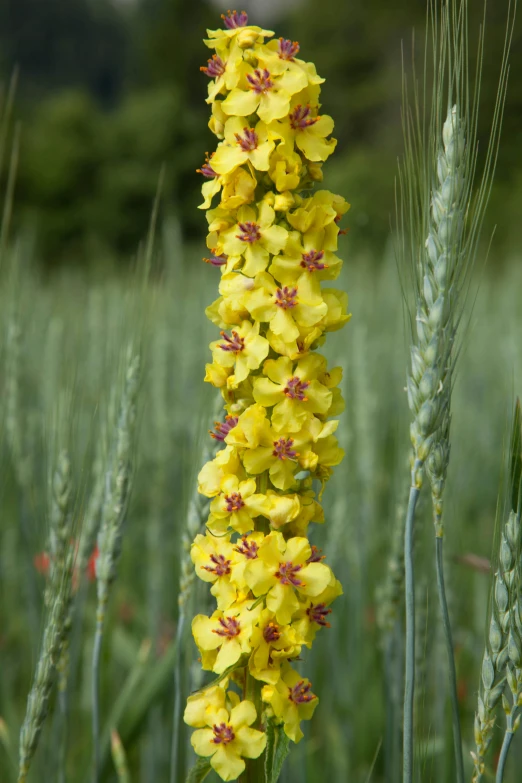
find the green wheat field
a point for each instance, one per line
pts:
(63, 351)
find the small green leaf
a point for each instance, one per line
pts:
(270, 749)
(516, 459)
(199, 771)
(282, 747)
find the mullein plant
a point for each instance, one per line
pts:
(441, 214)
(274, 240)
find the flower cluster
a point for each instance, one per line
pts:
(274, 239)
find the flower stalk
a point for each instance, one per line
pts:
(274, 240)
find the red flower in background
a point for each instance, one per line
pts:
(42, 563)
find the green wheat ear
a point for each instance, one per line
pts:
(440, 214)
(502, 660)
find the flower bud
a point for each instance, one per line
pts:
(315, 172)
(283, 201)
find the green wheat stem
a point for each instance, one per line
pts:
(177, 698)
(96, 654)
(409, 587)
(452, 673)
(506, 744)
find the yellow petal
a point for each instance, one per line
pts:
(227, 763)
(250, 742)
(241, 103)
(201, 741)
(244, 714)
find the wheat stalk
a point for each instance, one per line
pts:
(441, 217)
(58, 596)
(116, 500)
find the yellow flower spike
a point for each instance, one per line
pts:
(272, 644)
(282, 571)
(292, 701)
(227, 632)
(214, 559)
(229, 738)
(275, 247)
(243, 349)
(293, 390)
(237, 506)
(254, 236)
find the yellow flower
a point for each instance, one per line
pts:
(253, 237)
(243, 349)
(313, 614)
(283, 508)
(217, 375)
(294, 391)
(217, 121)
(246, 549)
(282, 568)
(272, 643)
(337, 315)
(264, 92)
(230, 308)
(310, 511)
(286, 168)
(229, 738)
(292, 701)
(236, 29)
(238, 187)
(223, 69)
(285, 308)
(305, 257)
(281, 55)
(237, 506)
(226, 633)
(243, 144)
(276, 453)
(213, 559)
(307, 130)
(213, 472)
(203, 705)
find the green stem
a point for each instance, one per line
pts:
(508, 738)
(446, 623)
(409, 586)
(255, 768)
(96, 700)
(174, 752)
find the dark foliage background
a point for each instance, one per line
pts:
(109, 91)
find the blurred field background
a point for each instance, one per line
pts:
(107, 94)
